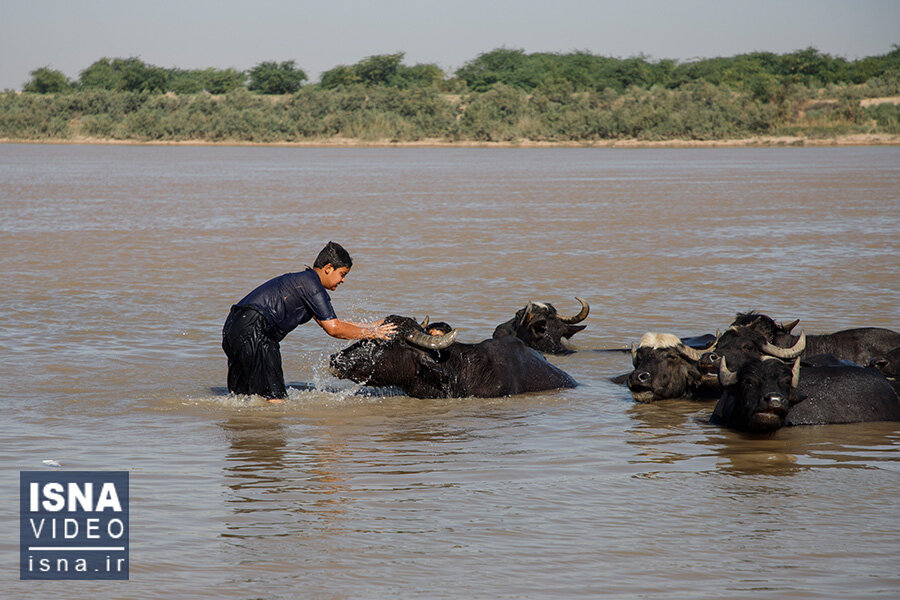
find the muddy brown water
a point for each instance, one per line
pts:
(119, 265)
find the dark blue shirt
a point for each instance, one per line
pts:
(290, 300)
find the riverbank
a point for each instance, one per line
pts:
(692, 116)
(862, 139)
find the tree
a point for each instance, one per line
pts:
(47, 81)
(185, 82)
(222, 81)
(99, 74)
(339, 76)
(496, 66)
(419, 75)
(137, 76)
(380, 69)
(124, 74)
(269, 77)
(383, 70)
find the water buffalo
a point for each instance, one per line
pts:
(740, 343)
(436, 366)
(766, 394)
(765, 324)
(542, 328)
(857, 345)
(888, 364)
(666, 367)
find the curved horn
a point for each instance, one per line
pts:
(692, 353)
(424, 324)
(431, 342)
(795, 373)
(726, 377)
(528, 309)
(787, 353)
(581, 316)
(788, 326)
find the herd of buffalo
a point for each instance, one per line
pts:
(761, 375)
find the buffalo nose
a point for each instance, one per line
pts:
(643, 376)
(775, 400)
(708, 360)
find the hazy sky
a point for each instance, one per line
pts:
(71, 34)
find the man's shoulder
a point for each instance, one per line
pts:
(308, 280)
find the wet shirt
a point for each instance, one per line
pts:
(290, 300)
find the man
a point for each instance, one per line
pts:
(263, 317)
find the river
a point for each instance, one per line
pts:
(120, 263)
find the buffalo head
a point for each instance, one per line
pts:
(664, 367)
(403, 360)
(776, 333)
(542, 328)
(739, 344)
(758, 396)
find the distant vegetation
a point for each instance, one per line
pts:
(502, 95)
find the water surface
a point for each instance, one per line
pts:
(120, 264)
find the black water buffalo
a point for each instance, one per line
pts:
(740, 343)
(765, 325)
(888, 364)
(542, 328)
(766, 394)
(666, 367)
(436, 366)
(858, 345)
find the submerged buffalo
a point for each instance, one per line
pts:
(436, 366)
(665, 367)
(542, 328)
(766, 394)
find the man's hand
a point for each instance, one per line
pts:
(384, 331)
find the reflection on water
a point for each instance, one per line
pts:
(120, 264)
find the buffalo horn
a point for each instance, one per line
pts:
(431, 342)
(726, 377)
(581, 316)
(792, 352)
(528, 310)
(795, 373)
(693, 353)
(789, 326)
(425, 323)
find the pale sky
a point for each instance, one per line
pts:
(69, 35)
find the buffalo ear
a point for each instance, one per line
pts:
(572, 330)
(796, 399)
(620, 379)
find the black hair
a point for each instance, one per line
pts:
(335, 255)
(440, 326)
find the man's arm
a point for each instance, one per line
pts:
(347, 330)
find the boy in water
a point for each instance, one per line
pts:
(264, 316)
